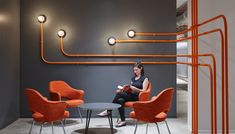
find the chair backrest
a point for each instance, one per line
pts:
(147, 110)
(50, 110)
(35, 100)
(144, 96)
(61, 87)
(164, 99)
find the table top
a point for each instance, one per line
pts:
(100, 106)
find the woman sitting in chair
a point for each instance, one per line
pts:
(139, 83)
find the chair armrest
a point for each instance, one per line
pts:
(55, 96)
(81, 92)
(144, 96)
(76, 94)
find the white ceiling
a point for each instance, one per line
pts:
(180, 2)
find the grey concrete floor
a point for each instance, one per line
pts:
(101, 126)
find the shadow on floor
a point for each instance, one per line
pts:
(95, 131)
(68, 122)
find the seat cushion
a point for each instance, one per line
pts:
(66, 114)
(74, 103)
(40, 118)
(158, 118)
(132, 114)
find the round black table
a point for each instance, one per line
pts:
(99, 106)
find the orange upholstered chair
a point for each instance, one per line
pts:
(45, 111)
(74, 97)
(155, 110)
(143, 96)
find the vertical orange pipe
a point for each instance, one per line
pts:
(226, 74)
(192, 19)
(196, 62)
(193, 74)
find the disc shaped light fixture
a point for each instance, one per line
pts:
(42, 18)
(131, 33)
(111, 41)
(61, 33)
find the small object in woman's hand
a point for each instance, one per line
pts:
(125, 88)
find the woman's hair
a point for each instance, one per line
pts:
(140, 66)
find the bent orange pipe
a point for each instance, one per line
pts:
(129, 41)
(226, 103)
(166, 41)
(224, 63)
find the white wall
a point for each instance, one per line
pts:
(211, 44)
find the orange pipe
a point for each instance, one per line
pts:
(128, 62)
(214, 124)
(166, 41)
(227, 115)
(121, 55)
(193, 73)
(224, 64)
(130, 41)
(196, 67)
(151, 56)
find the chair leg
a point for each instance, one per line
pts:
(167, 127)
(31, 127)
(147, 128)
(63, 126)
(136, 125)
(64, 121)
(79, 112)
(41, 128)
(117, 119)
(157, 128)
(52, 127)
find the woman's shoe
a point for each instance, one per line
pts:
(104, 113)
(120, 124)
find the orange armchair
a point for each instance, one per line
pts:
(44, 110)
(155, 110)
(143, 96)
(74, 97)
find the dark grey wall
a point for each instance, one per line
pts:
(10, 61)
(88, 24)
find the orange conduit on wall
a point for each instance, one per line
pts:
(213, 87)
(194, 57)
(224, 61)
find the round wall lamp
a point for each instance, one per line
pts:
(131, 33)
(61, 33)
(112, 41)
(42, 18)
